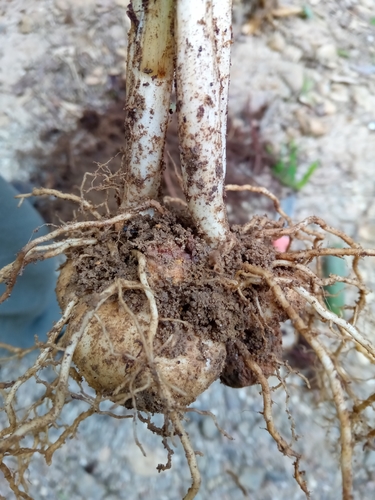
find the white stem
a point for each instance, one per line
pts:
(149, 78)
(203, 38)
(222, 17)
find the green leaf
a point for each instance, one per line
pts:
(372, 21)
(343, 53)
(305, 179)
(308, 85)
(285, 170)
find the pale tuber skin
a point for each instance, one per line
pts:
(116, 358)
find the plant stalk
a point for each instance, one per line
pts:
(203, 39)
(149, 78)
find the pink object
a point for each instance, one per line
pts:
(281, 244)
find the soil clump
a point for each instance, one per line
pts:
(199, 293)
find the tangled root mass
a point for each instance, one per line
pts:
(205, 300)
(154, 315)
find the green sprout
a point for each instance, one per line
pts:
(285, 170)
(343, 53)
(308, 85)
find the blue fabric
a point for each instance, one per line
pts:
(32, 307)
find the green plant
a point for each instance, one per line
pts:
(285, 170)
(308, 85)
(343, 53)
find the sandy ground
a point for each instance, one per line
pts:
(307, 80)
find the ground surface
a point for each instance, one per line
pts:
(307, 80)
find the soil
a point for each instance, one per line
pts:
(97, 139)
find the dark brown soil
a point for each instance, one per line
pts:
(99, 137)
(193, 284)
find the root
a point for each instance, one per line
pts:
(84, 204)
(300, 255)
(211, 415)
(12, 483)
(352, 332)
(294, 285)
(33, 370)
(282, 445)
(190, 456)
(10, 272)
(151, 300)
(34, 426)
(265, 192)
(332, 374)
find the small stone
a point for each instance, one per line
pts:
(62, 4)
(4, 120)
(144, 465)
(98, 71)
(88, 487)
(367, 232)
(293, 76)
(309, 124)
(252, 478)
(122, 52)
(43, 491)
(349, 80)
(118, 33)
(92, 80)
(292, 133)
(209, 429)
(327, 54)
(328, 107)
(104, 454)
(339, 92)
(293, 53)
(277, 42)
(317, 127)
(324, 107)
(26, 25)
(363, 98)
(70, 107)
